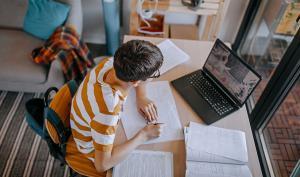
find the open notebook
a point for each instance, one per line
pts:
(145, 164)
(215, 152)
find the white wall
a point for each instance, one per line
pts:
(125, 16)
(93, 27)
(235, 10)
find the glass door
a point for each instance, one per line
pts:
(280, 136)
(272, 46)
(270, 34)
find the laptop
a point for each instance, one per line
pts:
(221, 87)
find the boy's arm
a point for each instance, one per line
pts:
(106, 160)
(145, 106)
(141, 89)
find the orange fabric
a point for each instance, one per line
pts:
(61, 104)
(95, 111)
(103, 148)
(78, 125)
(98, 92)
(84, 96)
(65, 44)
(79, 162)
(78, 135)
(52, 132)
(104, 129)
(77, 111)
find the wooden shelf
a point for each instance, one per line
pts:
(211, 11)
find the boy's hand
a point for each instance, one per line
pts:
(151, 131)
(147, 109)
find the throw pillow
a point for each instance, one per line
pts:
(44, 16)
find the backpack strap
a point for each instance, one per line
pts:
(55, 150)
(53, 118)
(62, 131)
(73, 87)
(47, 98)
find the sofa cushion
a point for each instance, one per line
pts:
(12, 13)
(44, 16)
(15, 60)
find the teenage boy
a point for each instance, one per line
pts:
(98, 102)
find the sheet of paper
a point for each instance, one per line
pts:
(160, 93)
(145, 164)
(173, 55)
(196, 169)
(201, 156)
(193, 155)
(218, 141)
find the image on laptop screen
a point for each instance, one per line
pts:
(234, 75)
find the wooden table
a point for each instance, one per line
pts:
(198, 51)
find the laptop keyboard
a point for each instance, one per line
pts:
(210, 93)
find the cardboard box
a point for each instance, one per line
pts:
(184, 32)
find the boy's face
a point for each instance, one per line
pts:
(137, 83)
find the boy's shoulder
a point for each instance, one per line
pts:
(110, 95)
(101, 59)
(102, 68)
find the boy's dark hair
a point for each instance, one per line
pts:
(137, 60)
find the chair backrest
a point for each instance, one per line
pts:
(57, 113)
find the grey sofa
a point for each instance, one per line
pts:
(17, 70)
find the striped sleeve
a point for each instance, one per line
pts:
(103, 129)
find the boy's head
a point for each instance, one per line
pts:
(137, 60)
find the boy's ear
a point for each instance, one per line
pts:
(135, 83)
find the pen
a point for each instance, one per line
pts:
(154, 123)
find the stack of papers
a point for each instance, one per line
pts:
(173, 55)
(160, 93)
(215, 152)
(145, 164)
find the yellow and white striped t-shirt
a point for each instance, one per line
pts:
(95, 111)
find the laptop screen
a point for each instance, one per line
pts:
(231, 72)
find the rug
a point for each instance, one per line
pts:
(22, 152)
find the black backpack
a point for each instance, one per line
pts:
(49, 118)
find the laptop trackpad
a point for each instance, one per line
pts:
(199, 105)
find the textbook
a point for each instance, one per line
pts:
(215, 152)
(145, 164)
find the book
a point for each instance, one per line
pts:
(146, 164)
(215, 152)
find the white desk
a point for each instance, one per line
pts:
(198, 51)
